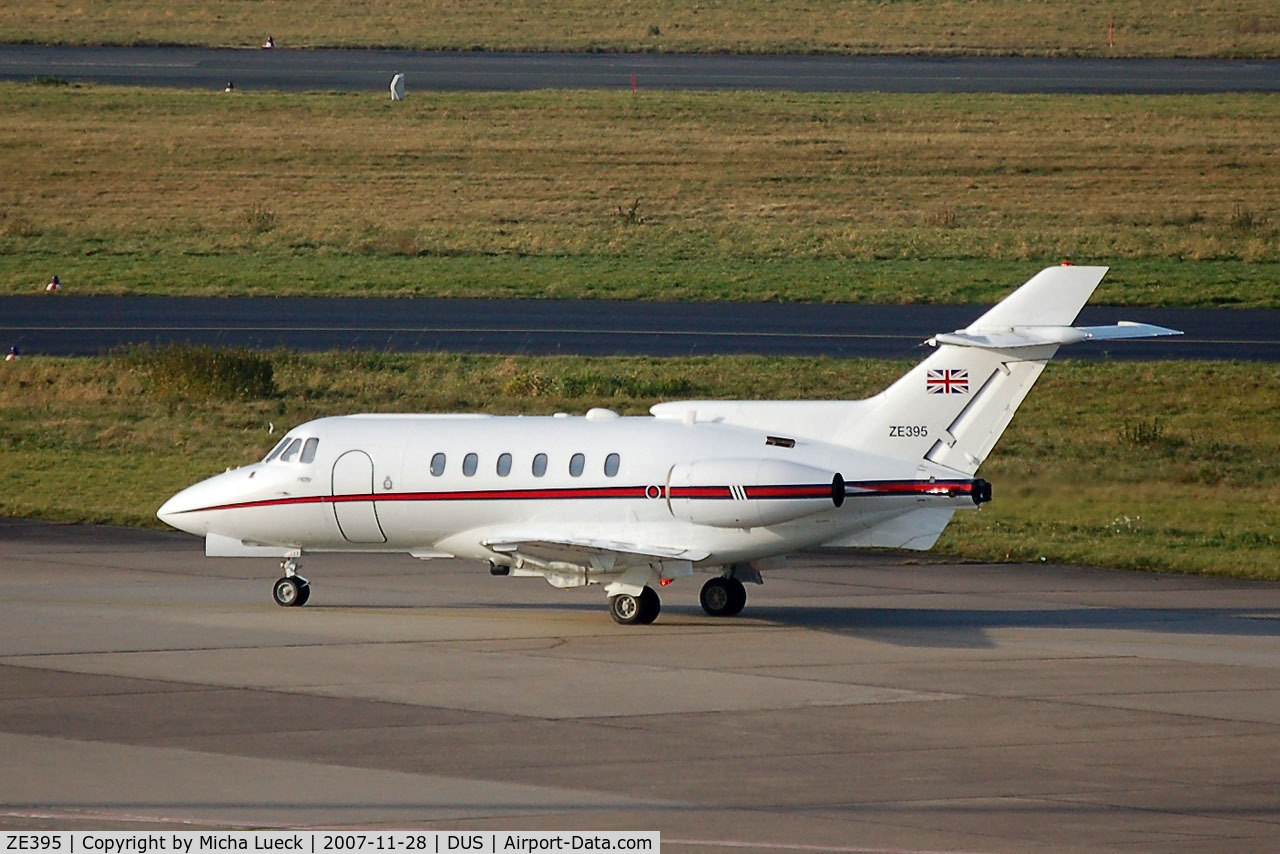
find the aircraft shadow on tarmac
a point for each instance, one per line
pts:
(962, 628)
(957, 628)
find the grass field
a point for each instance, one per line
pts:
(1236, 28)
(733, 196)
(1151, 466)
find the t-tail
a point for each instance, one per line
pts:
(952, 407)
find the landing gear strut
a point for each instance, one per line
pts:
(635, 610)
(292, 590)
(723, 596)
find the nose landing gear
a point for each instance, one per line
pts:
(292, 590)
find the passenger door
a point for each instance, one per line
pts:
(353, 507)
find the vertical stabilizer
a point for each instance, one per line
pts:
(952, 407)
(1052, 297)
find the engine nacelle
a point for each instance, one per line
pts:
(750, 493)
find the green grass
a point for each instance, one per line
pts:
(1177, 28)
(1167, 466)
(671, 195)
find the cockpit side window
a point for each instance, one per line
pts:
(309, 450)
(291, 451)
(275, 452)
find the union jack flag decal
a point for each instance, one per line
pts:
(947, 382)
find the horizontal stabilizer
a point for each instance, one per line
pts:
(917, 530)
(1038, 336)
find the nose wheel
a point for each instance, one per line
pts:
(723, 597)
(292, 590)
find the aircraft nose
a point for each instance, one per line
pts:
(173, 511)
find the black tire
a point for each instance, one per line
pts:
(287, 592)
(650, 606)
(304, 593)
(723, 597)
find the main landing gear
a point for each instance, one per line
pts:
(635, 610)
(292, 590)
(723, 596)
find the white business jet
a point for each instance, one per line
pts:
(635, 503)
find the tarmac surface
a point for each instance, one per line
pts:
(371, 70)
(865, 703)
(85, 325)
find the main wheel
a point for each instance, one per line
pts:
(625, 609)
(723, 597)
(650, 606)
(635, 610)
(289, 592)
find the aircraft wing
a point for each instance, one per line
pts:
(596, 553)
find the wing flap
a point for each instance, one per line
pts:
(590, 552)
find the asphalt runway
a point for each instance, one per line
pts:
(371, 70)
(83, 325)
(866, 703)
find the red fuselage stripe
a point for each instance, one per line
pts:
(800, 491)
(909, 487)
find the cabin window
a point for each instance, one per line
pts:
(504, 465)
(611, 465)
(291, 451)
(576, 463)
(309, 450)
(539, 465)
(469, 463)
(437, 465)
(275, 452)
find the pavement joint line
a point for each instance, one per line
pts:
(127, 818)
(783, 846)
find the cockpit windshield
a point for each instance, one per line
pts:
(293, 448)
(275, 452)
